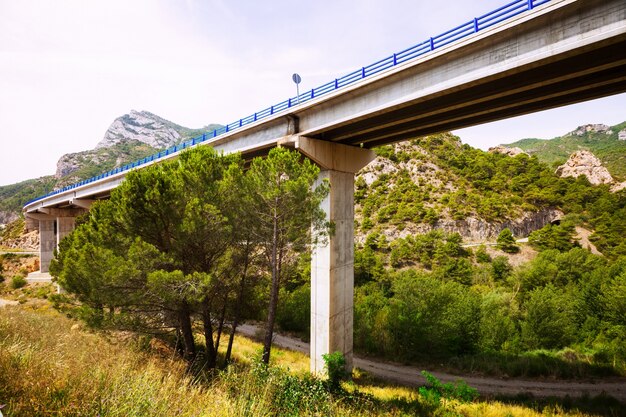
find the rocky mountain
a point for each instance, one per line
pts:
(607, 143)
(435, 182)
(148, 128)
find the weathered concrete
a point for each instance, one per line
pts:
(332, 263)
(47, 243)
(65, 225)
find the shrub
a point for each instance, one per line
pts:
(482, 256)
(459, 391)
(18, 281)
(506, 241)
(335, 365)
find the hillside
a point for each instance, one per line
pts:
(606, 142)
(436, 182)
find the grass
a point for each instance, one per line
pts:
(51, 365)
(563, 364)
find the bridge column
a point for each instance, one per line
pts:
(47, 243)
(332, 264)
(65, 225)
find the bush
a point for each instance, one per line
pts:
(335, 365)
(459, 391)
(18, 281)
(506, 241)
(294, 312)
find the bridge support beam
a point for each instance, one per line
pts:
(332, 264)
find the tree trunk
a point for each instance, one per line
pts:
(208, 334)
(184, 320)
(220, 327)
(242, 285)
(271, 315)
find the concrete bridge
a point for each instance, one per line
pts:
(526, 56)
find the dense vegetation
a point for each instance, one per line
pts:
(426, 296)
(194, 240)
(436, 178)
(610, 150)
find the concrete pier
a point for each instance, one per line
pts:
(332, 263)
(47, 243)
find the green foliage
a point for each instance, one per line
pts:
(437, 390)
(548, 320)
(481, 255)
(18, 281)
(335, 367)
(294, 311)
(14, 196)
(553, 236)
(506, 241)
(500, 268)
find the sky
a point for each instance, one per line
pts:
(68, 68)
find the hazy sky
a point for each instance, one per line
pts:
(68, 68)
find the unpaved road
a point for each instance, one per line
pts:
(487, 386)
(4, 302)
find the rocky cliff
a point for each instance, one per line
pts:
(144, 127)
(478, 230)
(587, 164)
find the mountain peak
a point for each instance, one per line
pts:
(591, 128)
(142, 126)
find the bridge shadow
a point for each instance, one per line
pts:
(600, 405)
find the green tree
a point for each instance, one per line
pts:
(284, 207)
(549, 319)
(158, 251)
(500, 268)
(506, 241)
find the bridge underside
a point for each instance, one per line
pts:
(591, 73)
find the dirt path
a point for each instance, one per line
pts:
(410, 376)
(4, 302)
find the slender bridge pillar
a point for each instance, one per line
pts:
(332, 264)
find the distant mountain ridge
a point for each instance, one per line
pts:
(608, 143)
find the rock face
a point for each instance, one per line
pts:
(477, 230)
(622, 134)
(597, 128)
(26, 241)
(507, 151)
(67, 164)
(587, 164)
(618, 187)
(144, 127)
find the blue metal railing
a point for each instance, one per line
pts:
(477, 24)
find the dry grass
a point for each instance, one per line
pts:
(51, 366)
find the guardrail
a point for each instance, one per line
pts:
(477, 24)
